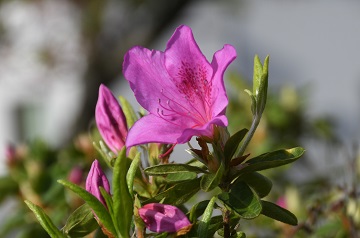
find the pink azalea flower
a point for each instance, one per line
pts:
(163, 218)
(183, 92)
(95, 179)
(110, 120)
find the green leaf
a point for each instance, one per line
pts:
(164, 169)
(262, 88)
(178, 177)
(242, 200)
(131, 173)
(197, 210)
(211, 181)
(232, 144)
(45, 220)
(278, 213)
(123, 202)
(177, 194)
(81, 222)
(253, 101)
(258, 72)
(129, 112)
(94, 203)
(261, 184)
(271, 160)
(205, 221)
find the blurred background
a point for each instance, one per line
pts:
(55, 54)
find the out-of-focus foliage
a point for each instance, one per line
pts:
(33, 170)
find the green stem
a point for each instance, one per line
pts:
(250, 134)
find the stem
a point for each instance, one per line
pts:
(250, 134)
(226, 223)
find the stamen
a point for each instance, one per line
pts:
(168, 152)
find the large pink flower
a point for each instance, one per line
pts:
(183, 92)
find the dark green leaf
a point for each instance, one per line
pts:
(232, 144)
(164, 169)
(271, 160)
(197, 210)
(122, 200)
(211, 181)
(129, 112)
(131, 174)
(45, 221)
(242, 200)
(278, 213)
(205, 221)
(94, 203)
(81, 222)
(178, 194)
(261, 184)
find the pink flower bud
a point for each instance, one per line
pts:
(95, 179)
(10, 154)
(163, 218)
(75, 175)
(110, 120)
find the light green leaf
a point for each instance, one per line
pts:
(129, 112)
(81, 222)
(132, 172)
(211, 181)
(262, 88)
(164, 169)
(278, 213)
(122, 200)
(178, 177)
(205, 221)
(94, 203)
(232, 144)
(45, 221)
(242, 200)
(258, 72)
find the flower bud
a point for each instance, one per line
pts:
(95, 179)
(75, 175)
(163, 218)
(110, 120)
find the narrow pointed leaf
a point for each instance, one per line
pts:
(261, 184)
(165, 169)
(258, 71)
(93, 202)
(271, 160)
(128, 111)
(81, 222)
(278, 213)
(197, 210)
(122, 200)
(45, 221)
(205, 221)
(242, 200)
(131, 174)
(177, 194)
(211, 181)
(232, 144)
(178, 177)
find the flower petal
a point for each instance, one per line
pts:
(220, 62)
(190, 71)
(152, 128)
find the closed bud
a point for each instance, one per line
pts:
(95, 179)
(110, 120)
(164, 218)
